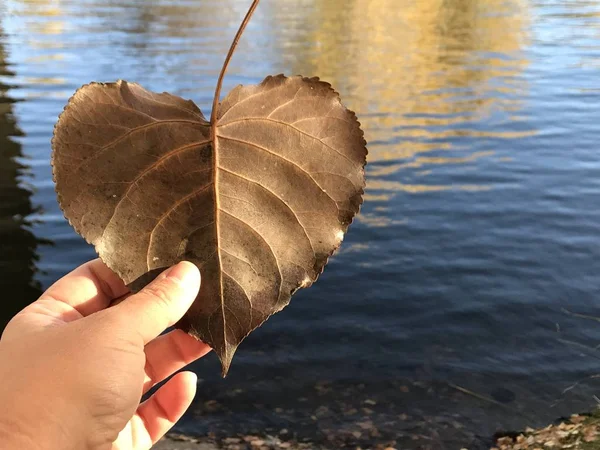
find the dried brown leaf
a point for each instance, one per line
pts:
(258, 203)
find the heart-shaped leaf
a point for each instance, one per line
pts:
(258, 199)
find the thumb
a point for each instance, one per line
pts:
(163, 302)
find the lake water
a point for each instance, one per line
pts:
(446, 315)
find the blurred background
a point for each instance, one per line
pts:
(458, 303)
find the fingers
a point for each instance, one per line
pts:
(159, 413)
(162, 303)
(169, 353)
(88, 289)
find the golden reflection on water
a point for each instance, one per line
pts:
(423, 76)
(52, 23)
(420, 161)
(44, 23)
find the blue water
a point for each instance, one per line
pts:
(481, 224)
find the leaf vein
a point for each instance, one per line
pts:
(239, 102)
(170, 210)
(126, 108)
(295, 164)
(247, 298)
(322, 117)
(249, 119)
(265, 241)
(168, 105)
(278, 198)
(241, 259)
(149, 169)
(284, 104)
(127, 134)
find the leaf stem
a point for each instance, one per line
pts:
(213, 113)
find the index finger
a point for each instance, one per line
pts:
(88, 289)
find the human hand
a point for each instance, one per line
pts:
(73, 370)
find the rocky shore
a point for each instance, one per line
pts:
(578, 432)
(182, 442)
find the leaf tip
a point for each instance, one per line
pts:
(225, 357)
(225, 363)
(224, 370)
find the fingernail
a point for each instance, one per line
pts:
(183, 271)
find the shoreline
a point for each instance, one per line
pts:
(175, 441)
(577, 432)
